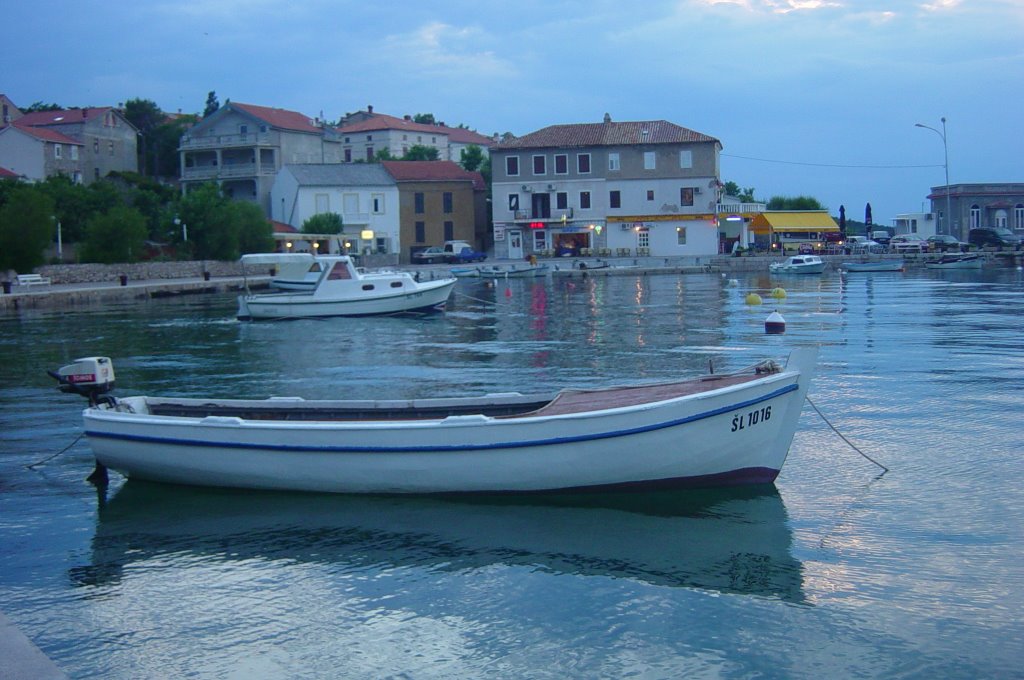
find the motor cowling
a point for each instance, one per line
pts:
(88, 376)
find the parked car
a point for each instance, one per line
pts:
(908, 243)
(467, 255)
(862, 244)
(946, 242)
(430, 255)
(993, 236)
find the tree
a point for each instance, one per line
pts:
(165, 140)
(255, 233)
(424, 119)
(418, 152)
(211, 104)
(323, 223)
(383, 155)
(74, 204)
(145, 115)
(472, 158)
(116, 236)
(745, 195)
(793, 203)
(26, 228)
(40, 106)
(218, 228)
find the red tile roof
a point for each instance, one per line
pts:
(62, 116)
(606, 134)
(464, 136)
(44, 134)
(4, 172)
(381, 121)
(279, 118)
(282, 228)
(432, 171)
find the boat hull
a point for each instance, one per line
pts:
(961, 262)
(881, 266)
(427, 297)
(737, 434)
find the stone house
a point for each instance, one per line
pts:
(366, 133)
(108, 142)
(35, 153)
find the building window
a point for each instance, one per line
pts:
(369, 138)
(584, 200)
(643, 239)
(649, 162)
(110, 148)
(512, 166)
(975, 217)
(561, 201)
(369, 154)
(447, 200)
(348, 139)
(348, 155)
(449, 230)
(513, 202)
(95, 173)
(1018, 216)
(58, 151)
(686, 159)
(74, 153)
(540, 165)
(323, 203)
(95, 146)
(418, 200)
(263, 129)
(613, 162)
(583, 163)
(686, 196)
(243, 129)
(650, 194)
(377, 204)
(561, 164)
(681, 236)
(421, 232)
(614, 199)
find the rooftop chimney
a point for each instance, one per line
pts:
(369, 108)
(607, 118)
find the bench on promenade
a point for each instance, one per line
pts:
(32, 280)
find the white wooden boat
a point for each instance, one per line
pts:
(956, 261)
(798, 264)
(717, 429)
(876, 266)
(514, 271)
(343, 290)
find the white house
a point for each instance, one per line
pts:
(363, 194)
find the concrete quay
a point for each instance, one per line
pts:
(22, 660)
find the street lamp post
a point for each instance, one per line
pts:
(945, 152)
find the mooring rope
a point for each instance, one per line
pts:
(49, 458)
(851, 444)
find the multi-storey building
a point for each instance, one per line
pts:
(990, 204)
(241, 147)
(37, 153)
(366, 133)
(365, 195)
(438, 201)
(108, 141)
(638, 187)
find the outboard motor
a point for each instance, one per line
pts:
(91, 377)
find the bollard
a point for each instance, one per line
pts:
(206, 276)
(124, 279)
(7, 287)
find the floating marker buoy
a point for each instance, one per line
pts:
(508, 292)
(774, 324)
(733, 282)
(753, 299)
(778, 293)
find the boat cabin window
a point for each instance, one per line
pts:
(315, 267)
(339, 272)
(396, 284)
(367, 286)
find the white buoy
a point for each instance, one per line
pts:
(734, 282)
(774, 324)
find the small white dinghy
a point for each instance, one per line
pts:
(716, 429)
(342, 289)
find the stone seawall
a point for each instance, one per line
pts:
(139, 271)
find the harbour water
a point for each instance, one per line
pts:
(835, 571)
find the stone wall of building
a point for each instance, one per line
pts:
(139, 271)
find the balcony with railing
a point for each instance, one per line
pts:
(226, 141)
(227, 171)
(741, 208)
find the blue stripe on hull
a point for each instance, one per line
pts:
(554, 441)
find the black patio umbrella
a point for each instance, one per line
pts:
(842, 222)
(867, 214)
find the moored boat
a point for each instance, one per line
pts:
(798, 264)
(513, 271)
(716, 429)
(341, 289)
(956, 261)
(876, 266)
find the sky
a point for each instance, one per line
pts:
(808, 97)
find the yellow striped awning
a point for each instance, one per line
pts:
(798, 220)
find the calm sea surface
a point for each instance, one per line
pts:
(835, 571)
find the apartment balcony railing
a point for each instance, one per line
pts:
(740, 208)
(552, 216)
(225, 141)
(229, 171)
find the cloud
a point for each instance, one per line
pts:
(442, 49)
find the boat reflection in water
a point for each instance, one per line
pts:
(728, 540)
